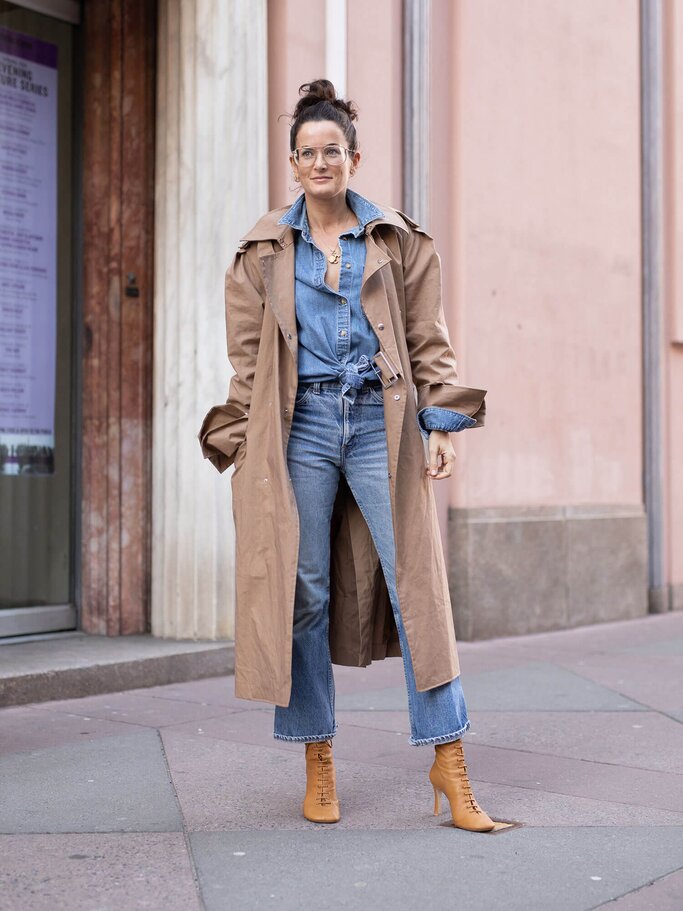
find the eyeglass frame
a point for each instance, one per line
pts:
(295, 152)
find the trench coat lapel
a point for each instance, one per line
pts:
(278, 275)
(374, 299)
(278, 267)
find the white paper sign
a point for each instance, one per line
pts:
(28, 253)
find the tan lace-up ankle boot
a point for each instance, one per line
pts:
(449, 775)
(320, 803)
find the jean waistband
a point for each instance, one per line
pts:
(336, 384)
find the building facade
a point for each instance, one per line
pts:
(538, 142)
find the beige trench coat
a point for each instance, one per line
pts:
(401, 296)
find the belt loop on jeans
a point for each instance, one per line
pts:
(316, 387)
(385, 371)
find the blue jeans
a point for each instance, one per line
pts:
(332, 434)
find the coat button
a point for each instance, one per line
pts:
(380, 261)
(397, 396)
(286, 410)
(380, 325)
(289, 335)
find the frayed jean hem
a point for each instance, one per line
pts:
(313, 738)
(443, 738)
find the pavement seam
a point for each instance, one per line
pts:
(636, 890)
(186, 834)
(645, 705)
(142, 724)
(340, 759)
(493, 746)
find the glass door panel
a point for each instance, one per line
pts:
(36, 323)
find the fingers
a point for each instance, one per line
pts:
(441, 456)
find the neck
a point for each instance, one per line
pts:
(327, 213)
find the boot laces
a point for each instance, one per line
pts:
(323, 781)
(464, 778)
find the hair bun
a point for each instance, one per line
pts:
(323, 90)
(319, 101)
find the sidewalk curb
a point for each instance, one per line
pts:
(92, 674)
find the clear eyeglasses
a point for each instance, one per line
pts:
(333, 154)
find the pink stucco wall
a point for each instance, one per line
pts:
(547, 249)
(296, 54)
(373, 82)
(535, 209)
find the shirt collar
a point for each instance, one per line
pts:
(366, 211)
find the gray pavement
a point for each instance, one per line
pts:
(178, 797)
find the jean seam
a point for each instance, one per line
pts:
(313, 738)
(398, 621)
(441, 738)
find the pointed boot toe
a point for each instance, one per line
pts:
(448, 776)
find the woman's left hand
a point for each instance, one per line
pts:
(441, 455)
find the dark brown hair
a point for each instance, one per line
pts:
(319, 102)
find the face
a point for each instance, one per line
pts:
(319, 178)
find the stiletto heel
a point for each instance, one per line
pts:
(449, 776)
(437, 806)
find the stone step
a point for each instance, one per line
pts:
(71, 665)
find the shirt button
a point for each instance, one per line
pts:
(343, 300)
(397, 396)
(343, 332)
(380, 325)
(348, 265)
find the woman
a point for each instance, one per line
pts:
(342, 367)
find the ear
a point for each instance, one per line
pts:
(355, 162)
(294, 166)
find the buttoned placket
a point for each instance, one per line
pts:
(343, 308)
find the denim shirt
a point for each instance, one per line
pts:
(336, 340)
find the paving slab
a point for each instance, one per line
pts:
(88, 872)
(107, 785)
(227, 786)
(585, 640)
(393, 722)
(672, 646)
(540, 687)
(27, 728)
(534, 686)
(560, 775)
(655, 681)
(210, 691)
(644, 740)
(577, 868)
(387, 699)
(665, 894)
(136, 707)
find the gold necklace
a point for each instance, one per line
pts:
(335, 255)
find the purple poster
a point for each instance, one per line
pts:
(28, 253)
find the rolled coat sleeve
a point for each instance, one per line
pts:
(224, 428)
(442, 402)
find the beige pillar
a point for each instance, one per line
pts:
(211, 186)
